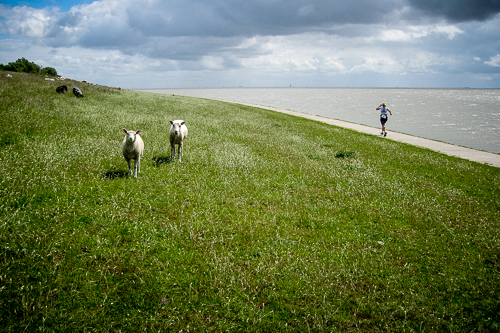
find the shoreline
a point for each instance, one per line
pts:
(471, 154)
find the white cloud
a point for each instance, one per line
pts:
(378, 65)
(412, 33)
(28, 21)
(211, 62)
(394, 36)
(450, 30)
(494, 61)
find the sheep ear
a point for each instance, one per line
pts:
(124, 130)
(139, 131)
(183, 123)
(172, 122)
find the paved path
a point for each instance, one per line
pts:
(445, 148)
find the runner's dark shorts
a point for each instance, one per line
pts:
(383, 118)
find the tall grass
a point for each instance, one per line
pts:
(270, 223)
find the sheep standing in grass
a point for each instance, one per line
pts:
(178, 132)
(132, 149)
(77, 92)
(62, 89)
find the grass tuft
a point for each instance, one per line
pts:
(345, 154)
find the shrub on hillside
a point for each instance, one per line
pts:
(25, 66)
(49, 71)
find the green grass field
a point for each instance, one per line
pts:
(270, 223)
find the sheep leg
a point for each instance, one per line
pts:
(172, 151)
(129, 166)
(137, 166)
(180, 151)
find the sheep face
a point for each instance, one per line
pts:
(131, 136)
(176, 127)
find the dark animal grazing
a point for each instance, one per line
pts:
(62, 89)
(77, 92)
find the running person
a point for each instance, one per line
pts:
(384, 115)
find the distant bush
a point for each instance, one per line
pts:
(25, 66)
(49, 71)
(22, 65)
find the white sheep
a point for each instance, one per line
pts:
(178, 132)
(132, 149)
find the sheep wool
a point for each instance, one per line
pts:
(132, 149)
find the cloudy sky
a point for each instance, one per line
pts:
(259, 43)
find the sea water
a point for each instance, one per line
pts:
(466, 117)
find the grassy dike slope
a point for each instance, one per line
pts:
(270, 223)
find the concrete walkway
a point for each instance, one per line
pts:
(445, 148)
